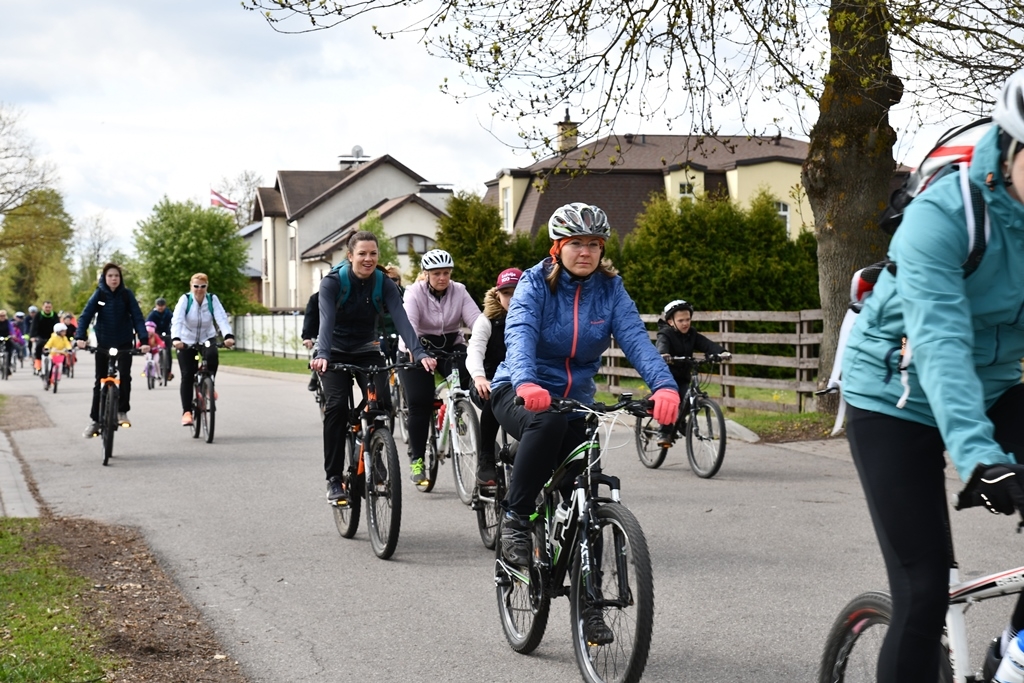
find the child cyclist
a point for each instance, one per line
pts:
(58, 343)
(485, 352)
(677, 338)
(156, 342)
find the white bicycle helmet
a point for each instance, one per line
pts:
(60, 327)
(33, 309)
(1009, 109)
(436, 258)
(676, 305)
(578, 220)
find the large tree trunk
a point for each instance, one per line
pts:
(849, 164)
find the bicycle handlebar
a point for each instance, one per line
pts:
(372, 369)
(561, 404)
(113, 351)
(697, 362)
(441, 354)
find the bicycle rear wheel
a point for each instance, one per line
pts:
(855, 639)
(210, 414)
(384, 494)
(198, 409)
(400, 410)
(705, 438)
(430, 458)
(524, 601)
(647, 433)
(464, 445)
(346, 517)
(620, 574)
(108, 420)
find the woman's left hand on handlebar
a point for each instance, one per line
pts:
(666, 406)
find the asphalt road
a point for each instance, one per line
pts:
(750, 567)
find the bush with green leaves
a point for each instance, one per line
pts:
(180, 239)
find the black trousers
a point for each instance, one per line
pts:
(337, 391)
(545, 439)
(419, 394)
(901, 465)
(124, 374)
(187, 366)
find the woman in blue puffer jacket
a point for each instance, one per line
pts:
(559, 322)
(963, 391)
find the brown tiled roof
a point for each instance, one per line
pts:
(268, 203)
(385, 208)
(297, 192)
(667, 152)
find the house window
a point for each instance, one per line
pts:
(419, 243)
(506, 208)
(291, 248)
(782, 208)
(686, 191)
(266, 270)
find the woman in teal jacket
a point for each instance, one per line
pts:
(962, 340)
(559, 322)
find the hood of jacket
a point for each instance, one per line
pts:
(492, 306)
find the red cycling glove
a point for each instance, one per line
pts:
(536, 398)
(666, 406)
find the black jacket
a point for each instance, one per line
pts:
(673, 343)
(42, 325)
(162, 320)
(311, 319)
(118, 317)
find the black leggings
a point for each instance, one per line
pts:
(124, 375)
(545, 439)
(337, 390)
(187, 365)
(419, 395)
(901, 465)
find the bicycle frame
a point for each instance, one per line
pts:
(961, 596)
(455, 391)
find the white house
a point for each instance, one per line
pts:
(307, 216)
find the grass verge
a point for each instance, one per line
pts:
(43, 635)
(257, 361)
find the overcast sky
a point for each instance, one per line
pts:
(136, 100)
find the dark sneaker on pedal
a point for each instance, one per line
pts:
(486, 474)
(594, 628)
(312, 383)
(992, 660)
(515, 539)
(665, 437)
(336, 492)
(417, 473)
(92, 430)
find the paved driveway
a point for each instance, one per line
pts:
(750, 567)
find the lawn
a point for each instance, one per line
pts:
(258, 361)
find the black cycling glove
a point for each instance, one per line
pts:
(1000, 488)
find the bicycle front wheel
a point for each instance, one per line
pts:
(430, 461)
(621, 597)
(210, 413)
(464, 444)
(705, 438)
(384, 494)
(647, 433)
(523, 602)
(150, 376)
(198, 409)
(399, 409)
(55, 377)
(855, 640)
(108, 420)
(488, 510)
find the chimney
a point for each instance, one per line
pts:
(567, 132)
(629, 138)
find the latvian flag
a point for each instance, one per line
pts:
(217, 199)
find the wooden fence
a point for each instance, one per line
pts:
(280, 335)
(804, 364)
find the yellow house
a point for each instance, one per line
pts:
(620, 173)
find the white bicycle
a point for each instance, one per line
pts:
(854, 641)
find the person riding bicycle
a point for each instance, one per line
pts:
(42, 328)
(677, 338)
(560, 322)
(69, 324)
(350, 311)
(58, 341)
(310, 330)
(163, 318)
(956, 343)
(156, 343)
(118, 320)
(197, 317)
(18, 329)
(485, 353)
(437, 307)
(7, 330)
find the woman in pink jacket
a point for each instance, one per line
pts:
(438, 308)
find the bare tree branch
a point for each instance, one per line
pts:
(20, 172)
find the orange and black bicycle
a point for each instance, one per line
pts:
(110, 397)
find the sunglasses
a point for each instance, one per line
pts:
(199, 286)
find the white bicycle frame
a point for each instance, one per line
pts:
(455, 391)
(961, 596)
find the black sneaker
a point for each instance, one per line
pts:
(312, 383)
(594, 628)
(336, 492)
(486, 474)
(992, 660)
(665, 436)
(515, 539)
